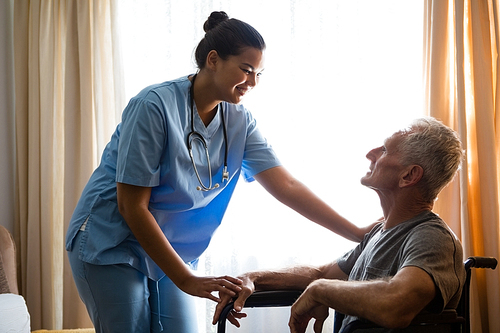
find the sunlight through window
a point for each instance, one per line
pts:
(340, 77)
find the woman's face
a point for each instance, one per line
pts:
(237, 75)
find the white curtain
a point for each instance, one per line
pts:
(67, 98)
(340, 76)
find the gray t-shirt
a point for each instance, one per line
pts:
(424, 241)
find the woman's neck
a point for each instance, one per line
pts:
(206, 104)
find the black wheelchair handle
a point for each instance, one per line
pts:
(261, 299)
(481, 262)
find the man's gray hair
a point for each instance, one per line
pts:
(436, 148)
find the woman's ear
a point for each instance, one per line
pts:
(212, 59)
(411, 176)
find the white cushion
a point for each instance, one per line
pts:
(14, 316)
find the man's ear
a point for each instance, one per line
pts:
(212, 59)
(411, 176)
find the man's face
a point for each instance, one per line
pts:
(385, 166)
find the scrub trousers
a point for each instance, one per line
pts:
(121, 299)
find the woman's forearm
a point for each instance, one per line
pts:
(133, 205)
(294, 194)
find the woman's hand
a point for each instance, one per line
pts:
(205, 286)
(366, 229)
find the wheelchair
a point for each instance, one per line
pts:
(449, 320)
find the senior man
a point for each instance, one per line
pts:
(409, 263)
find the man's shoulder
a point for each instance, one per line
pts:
(432, 236)
(426, 222)
(432, 223)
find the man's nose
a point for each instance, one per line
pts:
(374, 153)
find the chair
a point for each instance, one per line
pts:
(14, 316)
(447, 321)
(8, 258)
(12, 305)
(261, 299)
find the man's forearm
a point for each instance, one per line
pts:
(356, 298)
(293, 278)
(391, 302)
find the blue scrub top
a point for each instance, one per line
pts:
(149, 149)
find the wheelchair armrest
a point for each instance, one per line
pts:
(271, 298)
(447, 317)
(261, 299)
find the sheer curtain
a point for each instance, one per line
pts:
(340, 77)
(462, 76)
(65, 113)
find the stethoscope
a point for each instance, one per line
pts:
(197, 136)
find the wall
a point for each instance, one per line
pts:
(7, 129)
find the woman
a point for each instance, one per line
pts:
(163, 185)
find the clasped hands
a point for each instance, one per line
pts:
(302, 311)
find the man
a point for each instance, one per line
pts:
(410, 262)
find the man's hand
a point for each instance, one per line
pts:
(306, 308)
(232, 316)
(247, 289)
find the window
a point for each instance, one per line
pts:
(340, 77)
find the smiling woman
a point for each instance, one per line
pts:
(339, 76)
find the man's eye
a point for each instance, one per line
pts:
(246, 71)
(259, 74)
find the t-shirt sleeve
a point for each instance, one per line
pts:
(434, 249)
(259, 155)
(141, 145)
(347, 261)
